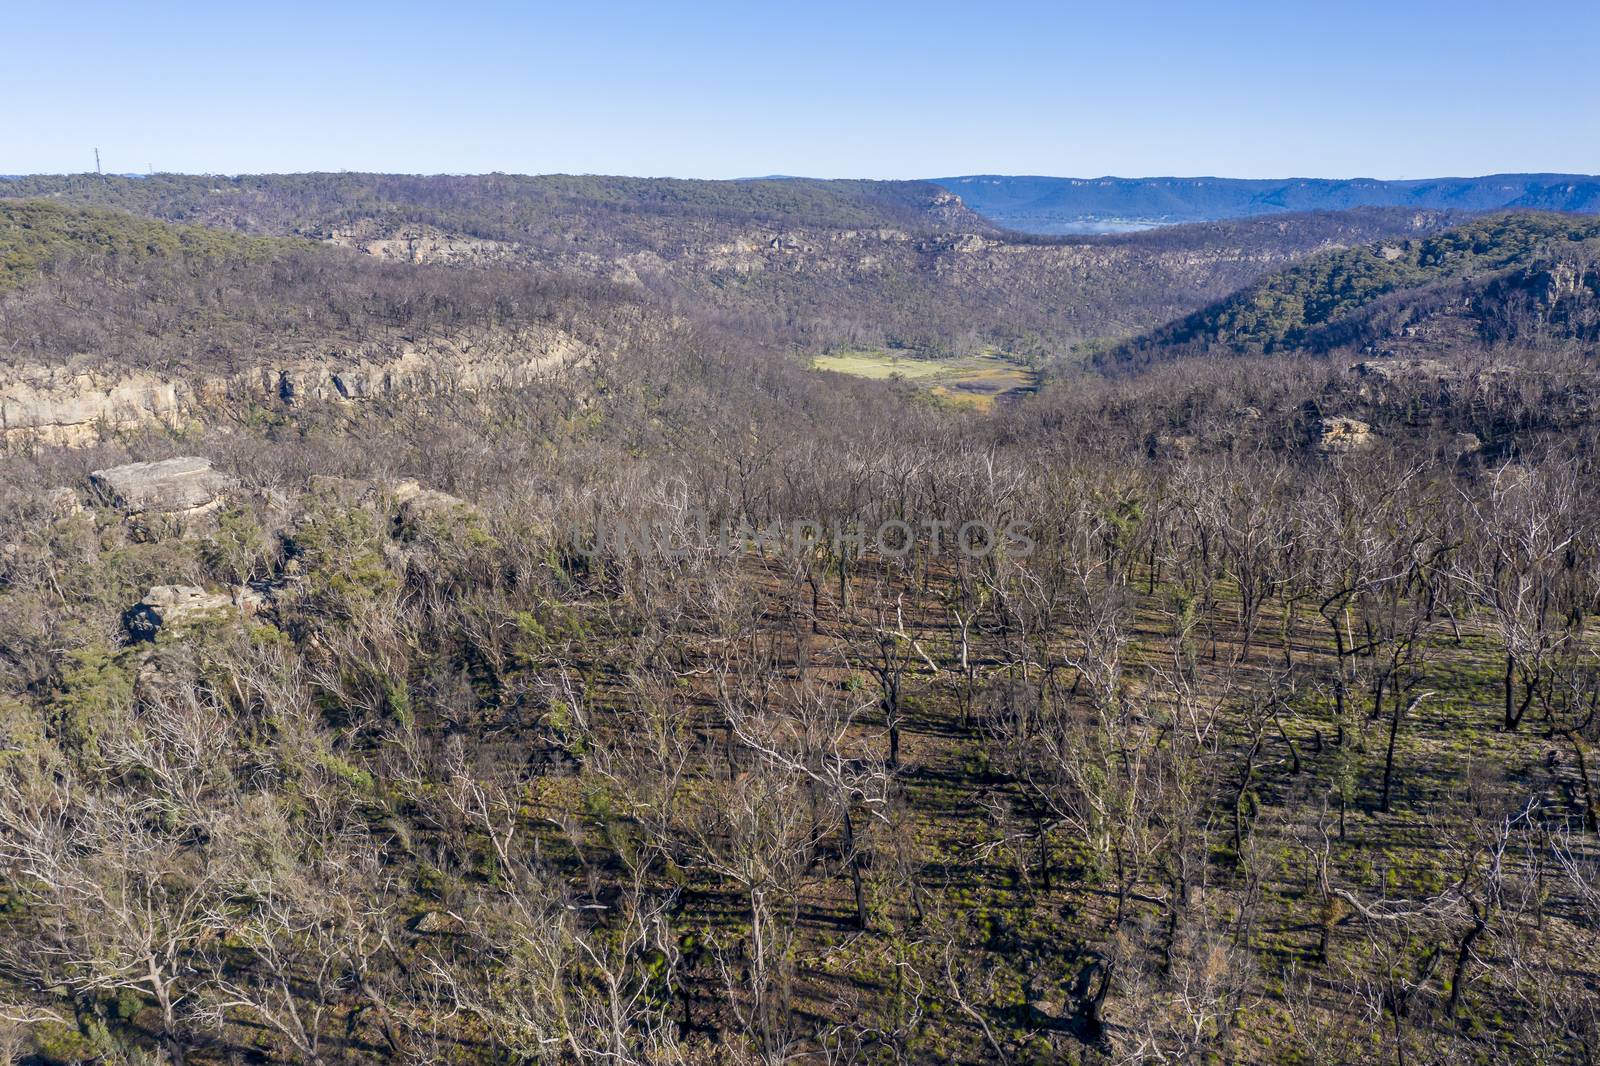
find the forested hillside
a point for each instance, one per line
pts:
(1512, 274)
(506, 207)
(495, 647)
(816, 264)
(107, 291)
(37, 236)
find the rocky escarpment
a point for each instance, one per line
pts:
(416, 244)
(76, 407)
(54, 407)
(440, 367)
(945, 276)
(709, 254)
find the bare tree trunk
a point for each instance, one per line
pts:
(1042, 840)
(1463, 953)
(1510, 718)
(855, 868)
(1591, 816)
(1388, 758)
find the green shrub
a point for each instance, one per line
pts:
(95, 697)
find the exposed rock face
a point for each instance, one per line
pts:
(418, 370)
(418, 507)
(951, 212)
(417, 244)
(54, 407)
(1171, 446)
(1377, 373)
(1388, 370)
(166, 606)
(64, 503)
(1338, 435)
(1380, 380)
(71, 409)
(169, 486)
(346, 490)
(169, 496)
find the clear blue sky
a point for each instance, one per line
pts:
(1259, 89)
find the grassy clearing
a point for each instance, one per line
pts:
(970, 380)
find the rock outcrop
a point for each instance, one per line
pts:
(169, 606)
(424, 506)
(167, 486)
(417, 244)
(64, 503)
(168, 496)
(431, 923)
(1339, 435)
(1387, 371)
(74, 409)
(352, 492)
(1376, 378)
(345, 490)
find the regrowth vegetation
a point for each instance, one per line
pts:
(487, 724)
(1322, 303)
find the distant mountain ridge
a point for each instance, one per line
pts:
(504, 206)
(819, 264)
(1071, 205)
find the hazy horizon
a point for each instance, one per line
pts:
(1163, 176)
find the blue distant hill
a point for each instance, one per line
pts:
(1076, 205)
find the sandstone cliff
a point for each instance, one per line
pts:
(72, 408)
